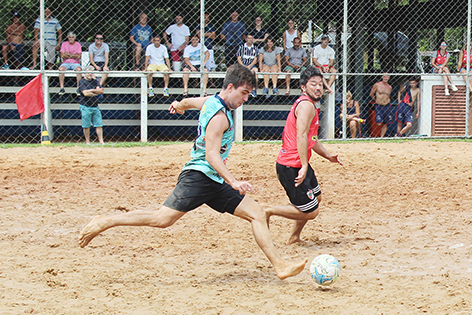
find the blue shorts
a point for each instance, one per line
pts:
(383, 114)
(195, 189)
(404, 113)
(17, 52)
(291, 69)
(70, 66)
(91, 116)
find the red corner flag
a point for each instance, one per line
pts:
(29, 99)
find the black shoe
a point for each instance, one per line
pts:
(78, 92)
(62, 91)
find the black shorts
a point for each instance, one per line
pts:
(195, 188)
(304, 196)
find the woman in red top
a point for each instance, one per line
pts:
(462, 65)
(439, 62)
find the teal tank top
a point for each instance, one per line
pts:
(198, 162)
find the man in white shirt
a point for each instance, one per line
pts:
(180, 34)
(323, 58)
(192, 62)
(157, 59)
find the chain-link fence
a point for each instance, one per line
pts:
(396, 68)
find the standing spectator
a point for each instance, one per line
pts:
(323, 58)
(180, 34)
(462, 65)
(295, 60)
(192, 62)
(247, 56)
(380, 93)
(439, 62)
(270, 61)
(99, 53)
(232, 32)
(289, 35)
(157, 59)
(260, 33)
(140, 36)
(14, 36)
(299, 140)
(90, 89)
(353, 112)
(210, 35)
(71, 54)
(52, 38)
(404, 113)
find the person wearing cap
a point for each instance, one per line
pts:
(180, 36)
(323, 58)
(90, 89)
(14, 36)
(52, 38)
(439, 62)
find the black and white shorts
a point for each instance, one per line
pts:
(304, 196)
(195, 189)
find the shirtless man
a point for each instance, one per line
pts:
(404, 113)
(380, 93)
(14, 35)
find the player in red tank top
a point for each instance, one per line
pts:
(300, 136)
(462, 65)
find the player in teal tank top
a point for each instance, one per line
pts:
(198, 162)
(205, 179)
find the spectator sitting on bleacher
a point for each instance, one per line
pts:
(247, 56)
(323, 58)
(99, 53)
(157, 59)
(295, 61)
(71, 54)
(180, 34)
(14, 47)
(51, 28)
(270, 61)
(353, 112)
(192, 62)
(210, 35)
(462, 65)
(439, 63)
(140, 36)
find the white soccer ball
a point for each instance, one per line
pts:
(324, 269)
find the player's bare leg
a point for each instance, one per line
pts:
(296, 232)
(290, 212)
(161, 218)
(250, 210)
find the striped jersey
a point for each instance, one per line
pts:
(247, 54)
(50, 28)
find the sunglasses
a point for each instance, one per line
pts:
(99, 38)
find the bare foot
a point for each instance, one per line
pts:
(291, 270)
(293, 240)
(91, 230)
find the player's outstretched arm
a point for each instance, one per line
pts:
(187, 103)
(321, 151)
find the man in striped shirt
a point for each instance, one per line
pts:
(247, 56)
(52, 38)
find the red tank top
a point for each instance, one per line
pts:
(288, 154)
(440, 59)
(464, 58)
